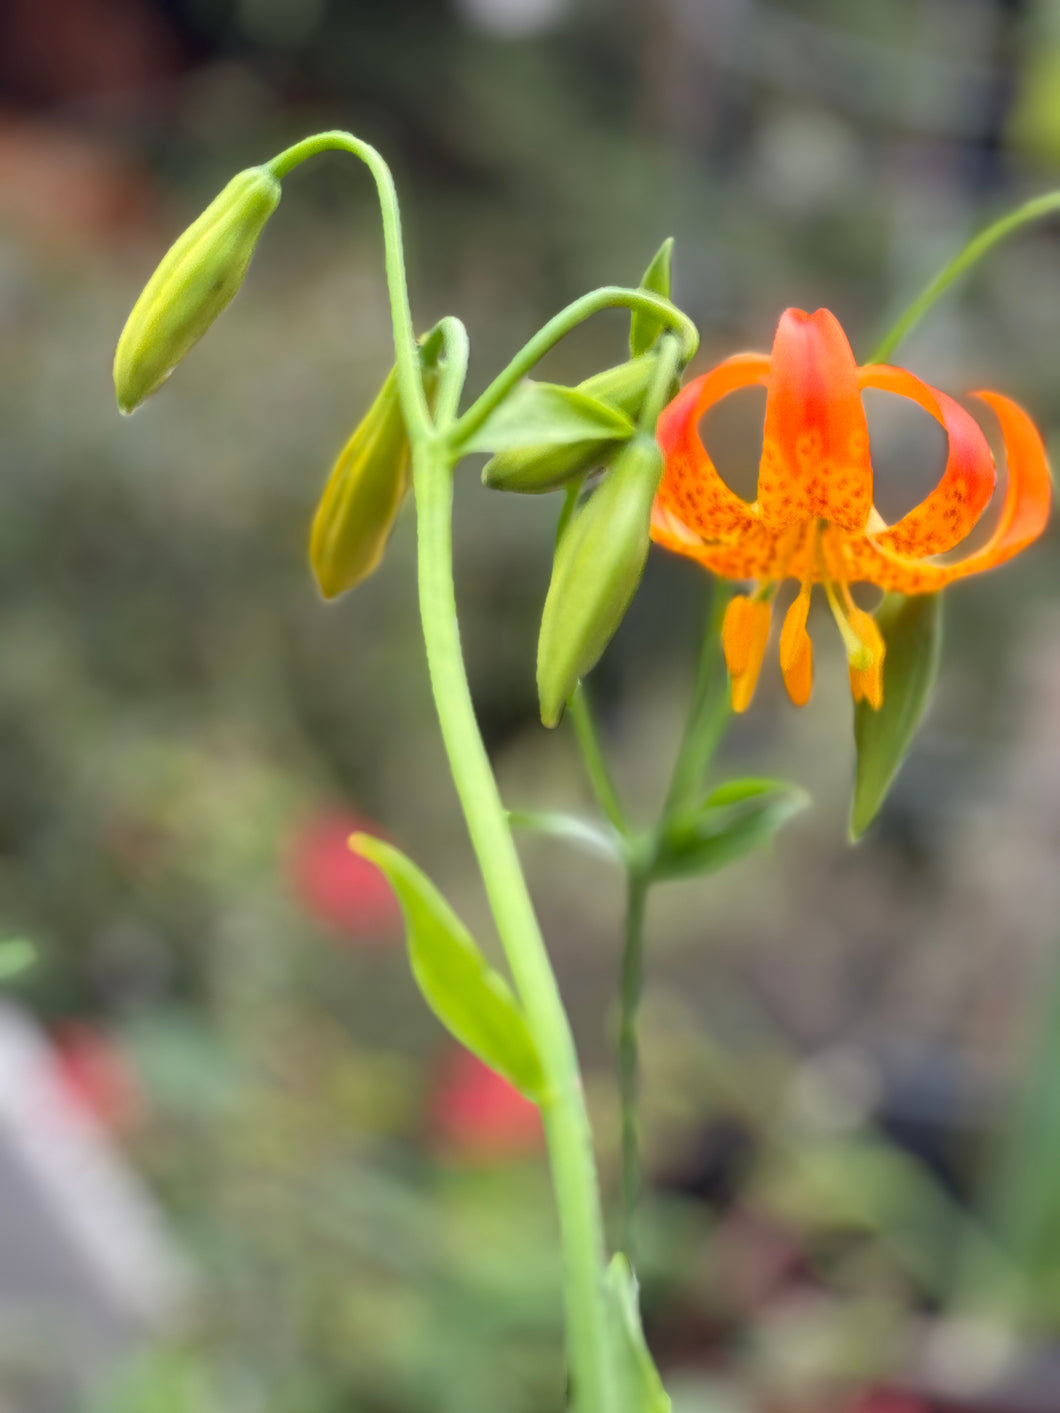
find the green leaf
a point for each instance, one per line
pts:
(548, 414)
(471, 1000)
(16, 956)
(638, 1386)
(644, 329)
(734, 820)
(593, 838)
(912, 630)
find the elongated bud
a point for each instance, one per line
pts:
(363, 495)
(533, 470)
(365, 490)
(197, 278)
(599, 562)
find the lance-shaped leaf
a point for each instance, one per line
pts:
(539, 414)
(734, 820)
(638, 1387)
(471, 1000)
(912, 631)
(585, 834)
(644, 328)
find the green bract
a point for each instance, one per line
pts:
(546, 464)
(199, 275)
(599, 562)
(644, 328)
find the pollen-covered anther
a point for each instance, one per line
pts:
(744, 635)
(866, 664)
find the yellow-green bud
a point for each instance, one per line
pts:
(598, 565)
(197, 278)
(532, 470)
(363, 495)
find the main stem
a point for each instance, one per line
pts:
(563, 1108)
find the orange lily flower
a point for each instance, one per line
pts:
(814, 520)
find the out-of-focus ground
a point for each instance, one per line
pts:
(836, 1039)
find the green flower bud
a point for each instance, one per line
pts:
(197, 278)
(532, 470)
(363, 495)
(365, 490)
(599, 562)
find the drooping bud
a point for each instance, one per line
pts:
(532, 470)
(364, 492)
(198, 276)
(599, 562)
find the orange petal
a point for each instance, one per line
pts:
(691, 489)
(744, 634)
(815, 449)
(1024, 515)
(947, 515)
(796, 649)
(759, 553)
(866, 682)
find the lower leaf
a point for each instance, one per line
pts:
(471, 1000)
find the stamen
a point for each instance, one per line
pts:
(744, 634)
(859, 654)
(796, 649)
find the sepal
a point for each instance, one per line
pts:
(734, 820)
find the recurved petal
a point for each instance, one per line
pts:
(691, 490)
(1024, 515)
(815, 448)
(947, 515)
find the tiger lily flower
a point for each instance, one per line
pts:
(814, 520)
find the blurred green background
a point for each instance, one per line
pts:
(852, 1139)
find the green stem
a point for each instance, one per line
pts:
(561, 324)
(961, 263)
(434, 454)
(410, 383)
(593, 757)
(563, 1109)
(454, 372)
(638, 883)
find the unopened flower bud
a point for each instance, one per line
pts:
(197, 278)
(365, 490)
(599, 562)
(532, 470)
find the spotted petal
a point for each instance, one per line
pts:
(815, 447)
(1024, 515)
(948, 514)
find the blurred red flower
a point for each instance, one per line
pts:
(477, 1115)
(338, 887)
(97, 1076)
